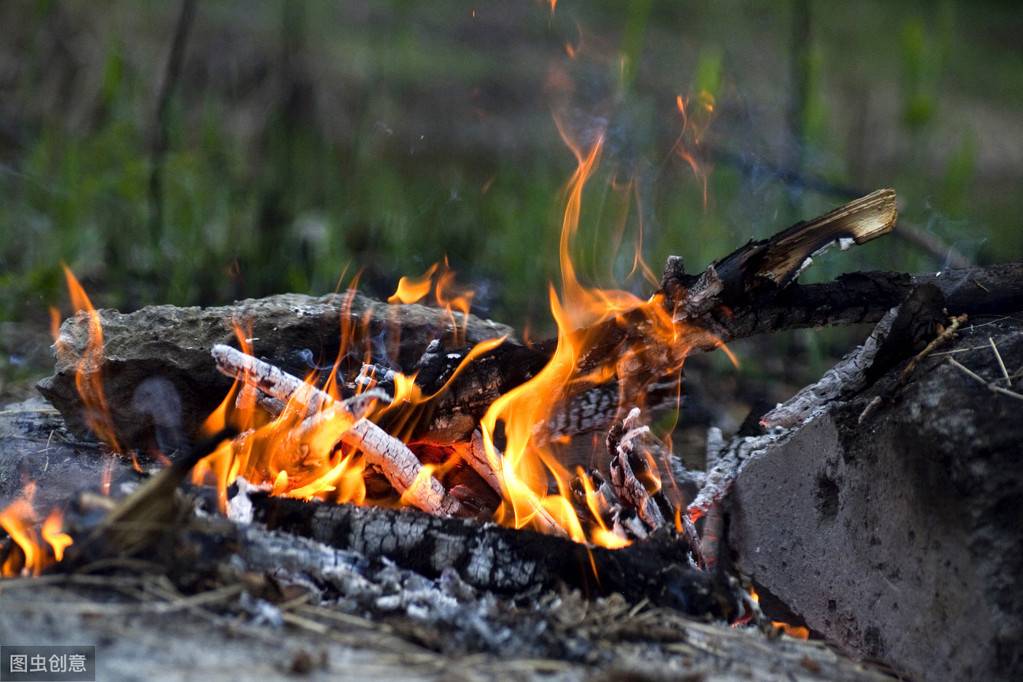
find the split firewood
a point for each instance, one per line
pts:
(475, 455)
(399, 464)
(269, 379)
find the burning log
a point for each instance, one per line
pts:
(399, 464)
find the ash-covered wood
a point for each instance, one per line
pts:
(269, 379)
(627, 456)
(505, 560)
(846, 377)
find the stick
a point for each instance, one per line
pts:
(1001, 363)
(399, 465)
(942, 338)
(626, 484)
(268, 378)
(991, 386)
(402, 468)
(689, 528)
(476, 457)
(929, 243)
(946, 334)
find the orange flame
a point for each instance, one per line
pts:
(413, 289)
(88, 375)
(18, 520)
(535, 480)
(693, 129)
(53, 534)
(301, 455)
(796, 631)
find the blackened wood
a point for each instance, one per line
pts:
(505, 560)
(778, 260)
(864, 297)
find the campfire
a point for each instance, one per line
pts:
(441, 442)
(407, 480)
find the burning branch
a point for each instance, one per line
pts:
(630, 489)
(399, 464)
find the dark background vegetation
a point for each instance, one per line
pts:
(195, 153)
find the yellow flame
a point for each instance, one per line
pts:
(413, 289)
(18, 520)
(301, 455)
(53, 534)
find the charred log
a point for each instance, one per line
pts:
(504, 560)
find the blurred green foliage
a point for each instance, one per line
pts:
(325, 171)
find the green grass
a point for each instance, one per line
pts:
(290, 205)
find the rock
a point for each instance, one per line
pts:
(899, 538)
(293, 331)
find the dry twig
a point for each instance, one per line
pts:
(1001, 363)
(990, 385)
(946, 334)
